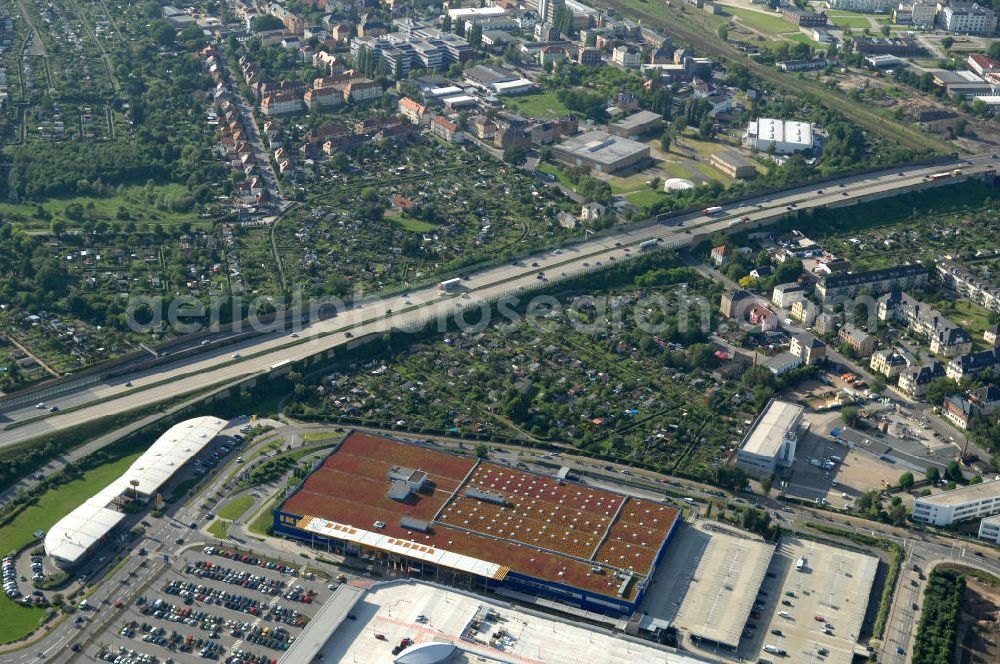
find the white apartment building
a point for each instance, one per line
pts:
(972, 502)
(772, 439)
(627, 57)
(968, 18)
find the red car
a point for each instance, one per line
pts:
(118, 603)
(819, 618)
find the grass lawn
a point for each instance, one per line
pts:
(676, 169)
(690, 139)
(969, 315)
(711, 173)
(627, 184)
(131, 199)
(220, 528)
(770, 23)
(552, 169)
(17, 620)
(644, 197)
(412, 225)
(800, 38)
(852, 21)
(321, 435)
(234, 509)
(265, 519)
(541, 105)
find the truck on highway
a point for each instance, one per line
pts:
(714, 209)
(648, 244)
(944, 175)
(448, 285)
(737, 222)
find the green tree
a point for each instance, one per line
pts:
(265, 22)
(730, 477)
(475, 36)
(724, 32)
(665, 140)
(933, 475)
(906, 481)
(515, 155)
(947, 43)
(482, 451)
(954, 472)
(766, 483)
(939, 388)
(849, 416)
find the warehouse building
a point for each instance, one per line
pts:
(601, 152)
(407, 509)
(971, 502)
(78, 533)
(735, 166)
(781, 136)
(772, 439)
(637, 125)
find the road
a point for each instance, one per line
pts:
(375, 315)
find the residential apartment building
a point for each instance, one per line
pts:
(831, 288)
(446, 130)
(362, 91)
(804, 19)
(807, 348)
(860, 341)
(627, 57)
(991, 335)
(281, 103)
(772, 440)
(973, 364)
(964, 282)
(867, 6)
(803, 311)
(889, 362)
(413, 111)
(966, 18)
(784, 295)
(960, 409)
(323, 98)
(944, 337)
(733, 303)
(970, 502)
(913, 381)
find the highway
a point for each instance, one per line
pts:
(257, 356)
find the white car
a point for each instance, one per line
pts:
(40, 405)
(236, 356)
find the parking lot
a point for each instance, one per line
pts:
(816, 608)
(212, 604)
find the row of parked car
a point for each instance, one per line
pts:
(204, 569)
(10, 578)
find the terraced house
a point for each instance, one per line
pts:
(964, 282)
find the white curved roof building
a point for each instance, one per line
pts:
(73, 536)
(427, 653)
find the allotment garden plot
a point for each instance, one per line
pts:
(610, 388)
(395, 215)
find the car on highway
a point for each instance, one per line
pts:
(53, 409)
(40, 405)
(236, 356)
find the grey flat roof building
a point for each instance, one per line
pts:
(636, 124)
(601, 151)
